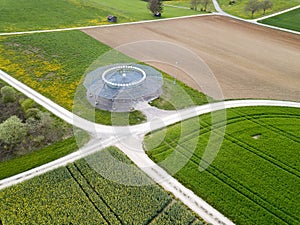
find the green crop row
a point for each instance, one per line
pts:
(174, 214)
(252, 179)
(81, 193)
(289, 20)
(52, 198)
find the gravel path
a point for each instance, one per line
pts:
(129, 140)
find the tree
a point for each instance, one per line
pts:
(8, 94)
(12, 131)
(155, 6)
(205, 3)
(252, 6)
(194, 4)
(266, 4)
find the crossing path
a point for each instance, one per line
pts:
(129, 139)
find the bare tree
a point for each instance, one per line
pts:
(205, 3)
(155, 6)
(195, 4)
(253, 6)
(266, 4)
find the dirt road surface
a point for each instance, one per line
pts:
(248, 61)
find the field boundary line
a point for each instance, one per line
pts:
(162, 210)
(115, 215)
(76, 180)
(104, 25)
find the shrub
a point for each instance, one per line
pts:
(27, 104)
(8, 94)
(32, 112)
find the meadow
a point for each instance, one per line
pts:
(289, 20)
(89, 198)
(187, 4)
(255, 175)
(178, 95)
(238, 9)
(43, 14)
(54, 64)
(37, 158)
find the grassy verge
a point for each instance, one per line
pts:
(238, 9)
(22, 15)
(289, 20)
(177, 95)
(53, 64)
(187, 4)
(78, 194)
(37, 158)
(252, 179)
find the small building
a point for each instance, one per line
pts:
(112, 19)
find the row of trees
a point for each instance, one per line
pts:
(195, 4)
(25, 126)
(255, 5)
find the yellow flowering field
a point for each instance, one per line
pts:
(52, 64)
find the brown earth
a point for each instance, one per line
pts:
(248, 61)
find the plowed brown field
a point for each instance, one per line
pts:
(248, 61)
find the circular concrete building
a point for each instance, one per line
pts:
(119, 87)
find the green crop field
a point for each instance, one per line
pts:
(255, 177)
(77, 194)
(289, 20)
(238, 9)
(37, 158)
(42, 14)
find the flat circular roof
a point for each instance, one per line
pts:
(123, 75)
(123, 81)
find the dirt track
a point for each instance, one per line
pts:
(248, 61)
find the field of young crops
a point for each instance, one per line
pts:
(255, 177)
(42, 14)
(289, 20)
(77, 194)
(238, 8)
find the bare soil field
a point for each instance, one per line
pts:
(247, 61)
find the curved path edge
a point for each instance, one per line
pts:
(220, 11)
